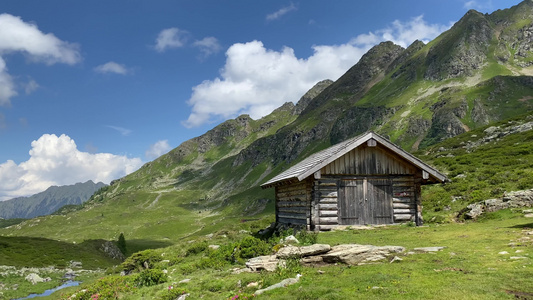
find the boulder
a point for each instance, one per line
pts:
(266, 262)
(34, 278)
(292, 251)
(355, 254)
(283, 283)
(290, 240)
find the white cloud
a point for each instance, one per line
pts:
(57, 161)
(157, 149)
(171, 38)
(281, 12)
(256, 80)
(123, 131)
(208, 46)
(112, 67)
(30, 86)
(19, 36)
(7, 86)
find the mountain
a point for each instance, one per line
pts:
(477, 73)
(49, 201)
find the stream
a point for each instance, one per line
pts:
(68, 283)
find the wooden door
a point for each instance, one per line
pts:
(365, 201)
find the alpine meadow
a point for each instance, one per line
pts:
(192, 223)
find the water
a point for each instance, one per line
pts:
(49, 292)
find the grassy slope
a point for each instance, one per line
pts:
(470, 267)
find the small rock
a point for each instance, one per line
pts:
(529, 233)
(320, 272)
(185, 280)
(214, 247)
(503, 252)
(396, 258)
(244, 231)
(75, 264)
(290, 240)
(519, 251)
(527, 211)
(166, 261)
(183, 297)
(209, 235)
(283, 283)
(266, 262)
(517, 257)
(428, 249)
(253, 284)
(528, 216)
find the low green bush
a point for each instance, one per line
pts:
(140, 261)
(150, 277)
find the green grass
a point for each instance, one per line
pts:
(470, 267)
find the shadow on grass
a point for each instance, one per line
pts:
(526, 225)
(133, 246)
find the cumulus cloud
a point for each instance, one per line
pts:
(112, 67)
(17, 36)
(171, 38)
(281, 12)
(157, 149)
(256, 80)
(57, 161)
(123, 131)
(208, 46)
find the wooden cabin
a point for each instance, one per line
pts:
(361, 181)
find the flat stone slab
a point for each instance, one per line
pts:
(266, 262)
(355, 254)
(304, 251)
(428, 249)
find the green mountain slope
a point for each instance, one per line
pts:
(477, 73)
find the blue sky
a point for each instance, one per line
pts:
(94, 89)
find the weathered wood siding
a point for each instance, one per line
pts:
(404, 199)
(366, 160)
(325, 207)
(293, 203)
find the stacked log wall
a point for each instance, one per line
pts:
(293, 205)
(404, 198)
(325, 203)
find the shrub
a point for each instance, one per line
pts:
(251, 247)
(196, 248)
(150, 277)
(172, 293)
(110, 287)
(141, 260)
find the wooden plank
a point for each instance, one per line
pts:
(403, 217)
(329, 221)
(327, 194)
(293, 216)
(410, 211)
(292, 204)
(294, 210)
(301, 198)
(327, 206)
(328, 213)
(328, 200)
(298, 193)
(326, 227)
(285, 220)
(402, 205)
(402, 200)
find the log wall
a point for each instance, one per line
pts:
(293, 203)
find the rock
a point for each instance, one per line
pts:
(529, 233)
(34, 278)
(214, 247)
(292, 251)
(111, 250)
(354, 254)
(267, 262)
(503, 252)
(312, 260)
(528, 216)
(187, 280)
(428, 249)
(519, 251)
(527, 211)
(253, 284)
(75, 264)
(517, 257)
(395, 258)
(290, 240)
(183, 297)
(283, 283)
(476, 210)
(320, 272)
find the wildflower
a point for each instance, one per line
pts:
(170, 287)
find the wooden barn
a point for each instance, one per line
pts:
(364, 180)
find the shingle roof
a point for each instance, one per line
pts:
(316, 161)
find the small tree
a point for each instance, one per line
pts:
(121, 243)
